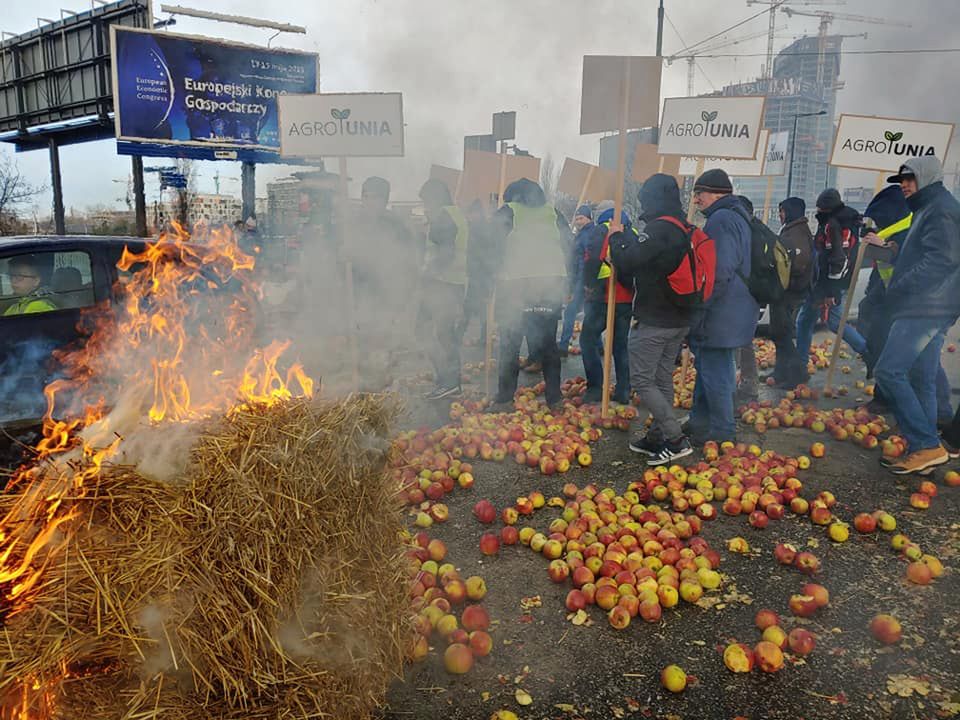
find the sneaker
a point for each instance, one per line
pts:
(441, 393)
(671, 451)
(886, 462)
(646, 445)
(921, 462)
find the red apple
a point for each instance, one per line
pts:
(801, 642)
(803, 605)
(489, 544)
(886, 629)
(865, 523)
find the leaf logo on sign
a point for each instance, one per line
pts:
(339, 114)
(708, 116)
(892, 136)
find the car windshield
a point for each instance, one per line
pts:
(41, 282)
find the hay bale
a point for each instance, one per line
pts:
(268, 583)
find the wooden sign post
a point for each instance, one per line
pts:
(348, 271)
(848, 301)
(492, 303)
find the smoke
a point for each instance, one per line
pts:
(23, 375)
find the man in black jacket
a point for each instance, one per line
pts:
(795, 236)
(659, 326)
(924, 301)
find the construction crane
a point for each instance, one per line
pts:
(771, 31)
(828, 17)
(691, 56)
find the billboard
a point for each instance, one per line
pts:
(188, 96)
(60, 71)
(341, 125)
(734, 167)
(601, 96)
(877, 143)
(711, 126)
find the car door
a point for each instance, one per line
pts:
(44, 288)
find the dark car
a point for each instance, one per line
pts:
(45, 284)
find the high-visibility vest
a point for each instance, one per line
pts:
(455, 271)
(534, 248)
(884, 268)
(29, 305)
(622, 293)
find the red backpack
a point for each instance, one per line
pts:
(691, 284)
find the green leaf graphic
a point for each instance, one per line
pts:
(888, 136)
(344, 114)
(897, 136)
(335, 114)
(712, 116)
(705, 116)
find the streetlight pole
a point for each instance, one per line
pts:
(660, 13)
(793, 144)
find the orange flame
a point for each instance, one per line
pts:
(174, 349)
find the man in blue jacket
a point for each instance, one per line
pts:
(729, 319)
(924, 302)
(582, 225)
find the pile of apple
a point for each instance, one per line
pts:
(436, 593)
(625, 556)
(683, 387)
(922, 568)
(857, 426)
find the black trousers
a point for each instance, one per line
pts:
(540, 328)
(790, 367)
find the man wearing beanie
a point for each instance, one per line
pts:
(835, 241)
(795, 236)
(729, 319)
(582, 226)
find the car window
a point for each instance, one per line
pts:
(42, 282)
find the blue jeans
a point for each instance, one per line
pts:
(594, 323)
(807, 320)
(711, 416)
(907, 372)
(570, 313)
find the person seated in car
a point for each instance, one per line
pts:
(26, 279)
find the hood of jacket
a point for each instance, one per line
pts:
(607, 216)
(727, 202)
(887, 207)
(829, 201)
(793, 208)
(660, 195)
(927, 170)
(845, 215)
(526, 192)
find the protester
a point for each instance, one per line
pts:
(729, 320)
(746, 356)
(443, 285)
(583, 225)
(795, 236)
(659, 325)
(596, 281)
(531, 277)
(835, 242)
(923, 299)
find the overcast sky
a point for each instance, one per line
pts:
(458, 61)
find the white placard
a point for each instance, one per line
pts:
(727, 127)
(734, 167)
(778, 145)
(603, 84)
(341, 125)
(883, 144)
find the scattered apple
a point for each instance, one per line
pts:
(673, 678)
(886, 629)
(457, 659)
(769, 657)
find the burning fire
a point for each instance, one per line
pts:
(175, 351)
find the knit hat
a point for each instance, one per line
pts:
(714, 181)
(829, 200)
(584, 210)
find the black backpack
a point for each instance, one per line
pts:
(767, 258)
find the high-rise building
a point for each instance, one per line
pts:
(804, 82)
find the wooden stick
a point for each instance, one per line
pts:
(585, 189)
(693, 208)
(660, 166)
(491, 305)
(848, 301)
(348, 269)
(766, 199)
(617, 210)
(684, 366)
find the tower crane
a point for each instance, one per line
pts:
(826, 18)
(771, 31)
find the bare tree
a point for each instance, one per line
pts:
(187, 169)
(15, 192)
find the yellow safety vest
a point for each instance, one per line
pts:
(455, 271)
(29, 306)
(884, 268)
(534, 247)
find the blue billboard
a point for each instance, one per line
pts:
(183, 96)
